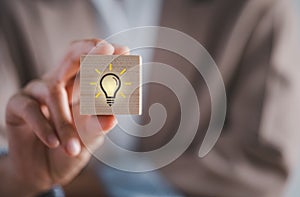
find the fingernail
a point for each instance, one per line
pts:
(73, 147)
(115, 121)
(53, 141)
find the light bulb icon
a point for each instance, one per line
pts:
(110, 84)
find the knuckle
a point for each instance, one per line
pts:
(53, 90)
(47, 129)
(10, 112)
(32, 85)
(37, 89)
(29, 104)
(13, 101)
(46, 92)
(64, 126)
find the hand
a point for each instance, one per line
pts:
(44, 145)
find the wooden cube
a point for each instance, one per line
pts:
(110, 84)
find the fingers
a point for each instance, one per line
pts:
(121, 50)
(69, 66)
(23, 108)
(107, 122)
(92, 128)
(73, 89)
(56, 99)
(51, 91)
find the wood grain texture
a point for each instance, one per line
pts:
(126, 68)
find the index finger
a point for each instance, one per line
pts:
(70, 64)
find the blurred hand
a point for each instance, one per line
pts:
(44, 145)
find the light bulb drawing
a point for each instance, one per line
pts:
(110, 84)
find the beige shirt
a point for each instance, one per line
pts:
(253, 42)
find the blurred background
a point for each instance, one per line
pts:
(188, 173)
(293, 189)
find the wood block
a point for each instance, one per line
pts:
(110, 84)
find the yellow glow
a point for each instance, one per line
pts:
(98, 94)
(122, 94)
(123, 71)
(97, 71)
(110, 67)
(93, 83)
(128, 83)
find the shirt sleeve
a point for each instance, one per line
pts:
(280, 117)
(56, 191)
